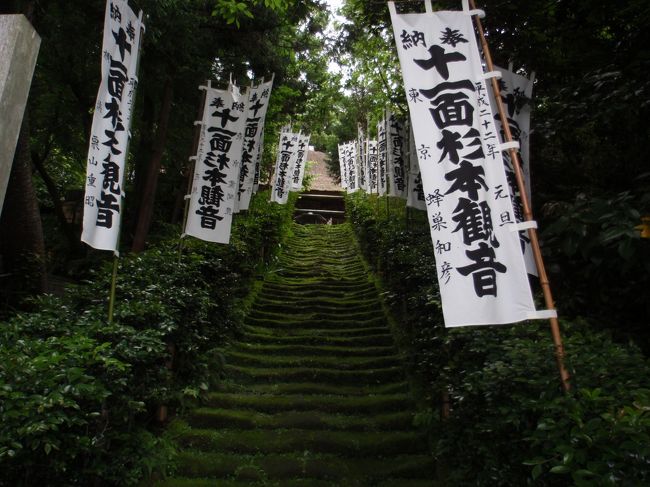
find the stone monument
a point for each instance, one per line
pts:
(19, 45)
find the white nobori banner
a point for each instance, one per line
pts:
(352, 166)
(516, 93)
(298, 173)
(287, 155)
(218, 159)
(479, 261)
(397, 170)
(382, 155)
(256, 108)
(109, 137)
(343, 167)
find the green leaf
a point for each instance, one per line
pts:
(560, 469)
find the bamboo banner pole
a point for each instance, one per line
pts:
(190, 175)
(111, 299)
(528, 214)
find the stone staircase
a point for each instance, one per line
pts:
(316, 395)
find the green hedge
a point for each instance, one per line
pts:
(509, 422)
(78, 395)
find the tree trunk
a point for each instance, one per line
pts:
(150, 182)
(23, 247)
(71, 235)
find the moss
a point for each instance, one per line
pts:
(331, 403)
(314, 393)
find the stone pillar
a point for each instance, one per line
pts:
(19, 45)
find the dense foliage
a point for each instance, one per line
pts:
(78, 395)
(508, 421)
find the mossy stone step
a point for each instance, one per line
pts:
(286, 466)
(320, 332)
(312, 388)
(292, 349)
(286, 284)
(365, 341)
(311, 420)
(319, 305)
(274, 403)
(350, 444)
(247, 374)
(342, 323)
(319, 361)
(302, 294)
(310, 314)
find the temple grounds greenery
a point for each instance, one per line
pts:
(508, 422)
(78, 395)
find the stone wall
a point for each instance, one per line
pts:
(19, 45)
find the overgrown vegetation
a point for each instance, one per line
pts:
(509, 423)
(78, 395)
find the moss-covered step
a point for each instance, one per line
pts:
(248, 374)
(293, 349)
(310, 420)
(335, 323)
(364, 331)
(314, 388)
(308, 314)
(348, 443)
(318, 305)
(379, 339)
(330, 403)
(333, 362)
(303, 295)
(320, 466)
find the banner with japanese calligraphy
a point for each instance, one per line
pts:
(373, 166)
(216, 173)
(415, 197)
(479, 261)
(382, 156)
(109, 137)
(362, 160)
(258, 163)
(298, 172)
(287, 155)
(343, 166)
(350, 153)
(257, 106)
(397, 169)
(516, 94)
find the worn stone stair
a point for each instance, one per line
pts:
(315, 393)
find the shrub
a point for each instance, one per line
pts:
(509, 423)
(78, 394)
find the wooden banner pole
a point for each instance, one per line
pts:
(528, 214)
(190, 176)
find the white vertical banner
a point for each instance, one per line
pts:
(218, 159)
(257, 106)
(258, 163)
(415, 197)
(516, 93)
(373, 166)
(298, 172)
(343, 166)
(480, 265)
(361, 163)
(352, 165)
(109, 137)
(287, 155)
(397, 169)
(382, 155)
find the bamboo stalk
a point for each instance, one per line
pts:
(528, 214)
